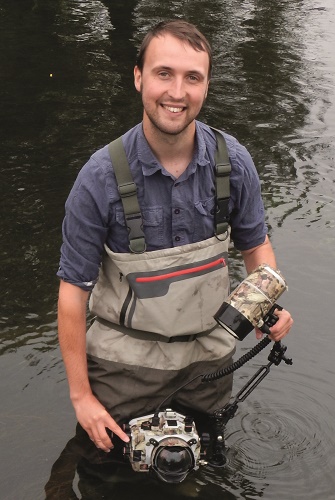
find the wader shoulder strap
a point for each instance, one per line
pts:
(128, 193)
(222, 173)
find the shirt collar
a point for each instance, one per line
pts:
(151, 165)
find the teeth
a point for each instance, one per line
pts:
(173, 110)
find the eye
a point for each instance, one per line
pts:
(193, 78)
(163, 74)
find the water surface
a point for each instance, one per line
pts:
(66, 90)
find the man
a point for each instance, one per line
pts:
(149, 337)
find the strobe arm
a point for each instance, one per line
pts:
(275, 357)
(220, 417)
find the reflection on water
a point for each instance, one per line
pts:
(67, 89)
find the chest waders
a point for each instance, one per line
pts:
(154, 325)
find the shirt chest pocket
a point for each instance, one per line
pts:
(153, 225)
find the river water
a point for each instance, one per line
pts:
(66, 89)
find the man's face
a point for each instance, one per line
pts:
(173, 83)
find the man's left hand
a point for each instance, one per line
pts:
(281, 328)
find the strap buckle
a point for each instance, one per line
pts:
(127, 189)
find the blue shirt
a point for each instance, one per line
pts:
(174, 211)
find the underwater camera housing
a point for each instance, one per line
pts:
(166, 442)
(248, 305)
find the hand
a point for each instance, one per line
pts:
(281, 328)
(94, 418)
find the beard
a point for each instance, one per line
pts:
(161, 124)
(158, 124)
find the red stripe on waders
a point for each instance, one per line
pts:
(180, 273)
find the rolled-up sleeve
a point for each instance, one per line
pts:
(85, 226)
(248, 227)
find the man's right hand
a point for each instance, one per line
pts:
(94, 418)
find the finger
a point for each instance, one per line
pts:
(281, 333)
(259, 334)
(116, 429)
(101, 438)
(277, 337)
(283, 325)
(99, 444)
(104, 444)
(278, 331)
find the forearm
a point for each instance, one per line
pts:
(262, 254)
(72, 337)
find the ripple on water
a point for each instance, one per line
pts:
(277, 443)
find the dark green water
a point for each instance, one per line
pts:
(66, 89)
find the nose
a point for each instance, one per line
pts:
(177, 89)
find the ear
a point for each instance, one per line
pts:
(137, 78)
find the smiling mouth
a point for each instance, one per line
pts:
(174, 109)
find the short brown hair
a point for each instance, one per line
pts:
(180, 29)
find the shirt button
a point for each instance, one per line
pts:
(177, 211)
(177, 238)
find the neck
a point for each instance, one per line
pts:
(173, 151)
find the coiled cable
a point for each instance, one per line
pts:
(210, 377)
